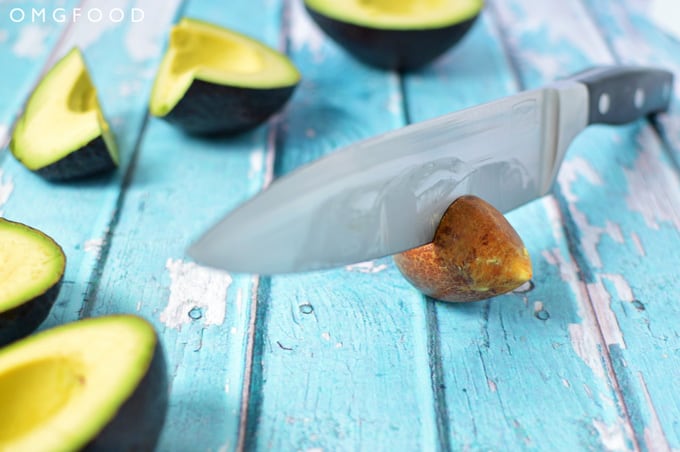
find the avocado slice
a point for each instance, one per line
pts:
(62, 133)
(395, 34)
(95, 384)
(216, 81)
(31, 271)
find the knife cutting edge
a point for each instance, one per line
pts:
(386, 194)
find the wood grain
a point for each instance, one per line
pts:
(355, 358)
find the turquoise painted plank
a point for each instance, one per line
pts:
(78, 214)
(25, 44)
(121, 57)
(341, 357)
(179, 186)
(651, 326)
(633, 32)
(619, 193)
(507, 361)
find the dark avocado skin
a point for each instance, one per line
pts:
(212, 109)
(22, 320)
(139, 421)
(93, 158)
(402, 50)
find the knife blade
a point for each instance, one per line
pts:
(386, 194)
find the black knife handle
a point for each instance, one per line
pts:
(621, 94)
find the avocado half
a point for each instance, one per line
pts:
(95, 384)
(31, 272)
(216, 81)
(395, 34)
(62, 133)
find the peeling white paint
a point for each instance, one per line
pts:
(366, 267)
(6, 188)
(492, 385)
(538, 306)
(573, 170)
(623, 289)
(649, 181)
(583, 341)
(4, 136)
(305, 33)
(326, 336)
(638, 244)
(540, 24)
(607, 321)
(195, 287)
(585, 347)
(94, 246)
(395, 102)
(144, 41)
(32, 41)
(256, 163)
(655, 438)
(613, 437)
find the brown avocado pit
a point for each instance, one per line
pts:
(475, 254)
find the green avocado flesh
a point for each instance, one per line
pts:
(229, 80)
(68, 387)
(62, 133)
(398, 14)
(31, 270)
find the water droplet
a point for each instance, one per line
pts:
(542, 314)
(526, 287)
(306, 308)
(196, 313)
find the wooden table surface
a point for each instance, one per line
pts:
(355, 358)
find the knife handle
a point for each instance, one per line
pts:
(621, 94)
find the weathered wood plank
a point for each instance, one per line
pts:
(78, 214)
(25, 44)
(630, 30)
(27, 34)
(619, 193)
(505, 360)
(178, 186)
(341, 357)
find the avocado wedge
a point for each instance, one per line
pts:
(216, 81)
(95, 384)
(31, 271)
(62, 133)
(395, 34)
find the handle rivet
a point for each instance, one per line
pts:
(604, 103)
(639, 98)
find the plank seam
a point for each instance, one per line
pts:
(93, 286)
(261, 288)
(655, 124)
(584, 276)
(98, 268)
(583, 272)
(437, 380)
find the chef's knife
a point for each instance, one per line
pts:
(387, 194)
